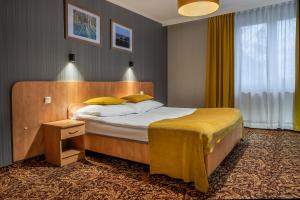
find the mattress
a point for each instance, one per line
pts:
(131, 127)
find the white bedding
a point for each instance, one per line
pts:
(133, 126)
(141, 120)
(99, 128)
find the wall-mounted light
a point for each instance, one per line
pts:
(72, 58)
(131, 64)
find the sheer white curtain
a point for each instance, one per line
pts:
(265, 65)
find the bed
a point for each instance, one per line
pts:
(127, 136)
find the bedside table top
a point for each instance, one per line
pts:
(65, 123)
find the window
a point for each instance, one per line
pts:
(265, 45)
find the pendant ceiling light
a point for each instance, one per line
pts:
(193, 8)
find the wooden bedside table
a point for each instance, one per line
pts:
(64, 141)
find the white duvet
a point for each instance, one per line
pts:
(142, 120)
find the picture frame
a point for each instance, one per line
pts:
(82, 25)
(121, 37)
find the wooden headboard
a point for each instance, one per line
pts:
(29, 111)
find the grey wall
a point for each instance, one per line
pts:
(32, 47)
(186, 63)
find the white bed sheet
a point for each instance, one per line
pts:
(105, 129)
(134, 126)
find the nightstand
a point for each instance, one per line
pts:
(64, 141)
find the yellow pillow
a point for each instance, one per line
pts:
(137, 98)
(105, 101)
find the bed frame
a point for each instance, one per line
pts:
(30, 112)
(139, 151)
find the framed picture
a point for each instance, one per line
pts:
(121, 37)
(81, 24)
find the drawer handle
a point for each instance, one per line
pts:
(74, 132)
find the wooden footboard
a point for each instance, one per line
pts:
(139, 151)
(221, 150)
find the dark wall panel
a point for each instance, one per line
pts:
(33, 47)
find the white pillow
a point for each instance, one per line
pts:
(106, 111)
(145, 106)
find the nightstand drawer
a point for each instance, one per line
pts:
(72, 132)
(71, 159)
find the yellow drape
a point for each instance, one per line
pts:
(297, 92)
(220, 62)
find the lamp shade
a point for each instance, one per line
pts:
(193, 8)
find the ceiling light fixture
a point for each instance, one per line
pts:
(194, 8)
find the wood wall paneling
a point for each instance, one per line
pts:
(30, 111)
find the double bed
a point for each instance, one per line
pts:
(127, 136)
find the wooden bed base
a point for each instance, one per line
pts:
(139, 151)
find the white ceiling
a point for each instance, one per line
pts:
(165, 11)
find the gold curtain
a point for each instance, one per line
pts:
(220, 62)
(297, 92)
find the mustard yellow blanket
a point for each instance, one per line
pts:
(178, 146)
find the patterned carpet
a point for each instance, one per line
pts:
(265, 165)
